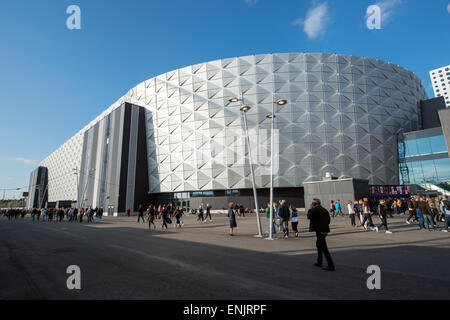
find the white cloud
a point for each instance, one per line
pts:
(448, 8)
(315, 21)
(388, 9)
(30, 162)
(251, 2)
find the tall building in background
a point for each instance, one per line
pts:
(440, 78)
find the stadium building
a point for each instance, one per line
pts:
(174, 136)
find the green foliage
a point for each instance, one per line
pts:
(12, 203)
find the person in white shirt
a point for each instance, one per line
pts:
(351, 212)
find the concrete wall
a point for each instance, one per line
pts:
(429, 111)
(444, 116)
(342, 189)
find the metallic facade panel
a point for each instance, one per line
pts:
(342, 116)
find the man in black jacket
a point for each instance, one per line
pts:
(141, 213)
(285, 215)
(320, 224)
(383, 216)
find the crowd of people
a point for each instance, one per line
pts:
(427, 213)
(13, 213)
(56, 214)
(167, 212)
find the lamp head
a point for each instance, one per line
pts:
(281, 102)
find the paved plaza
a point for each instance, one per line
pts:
(120, 259)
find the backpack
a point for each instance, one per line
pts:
(280, 212)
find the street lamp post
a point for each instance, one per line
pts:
(244, 110)
(272, 143)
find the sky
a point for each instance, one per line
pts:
(55, 80)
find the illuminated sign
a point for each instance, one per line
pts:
(390, 191)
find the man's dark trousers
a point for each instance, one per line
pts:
(322, 249)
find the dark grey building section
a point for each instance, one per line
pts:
(342, 189)
(114, 173)
(429, 112)
(141, 195)
(37, 192)
(444, 116)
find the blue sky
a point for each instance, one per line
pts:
(54, 81)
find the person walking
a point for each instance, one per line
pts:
(283, 213)
(424, 207)
(360, 210)
(411, 212)
(44, 214)
(60, 214)
(338, 210)
(81, 215)
(274, 225)
(383, 216)
(231, 217)
(294, 219)
(151, 213)
(177, 214)
(241, 210)
(434, 210)
(208, 212)
(445, 208)
(128, 212)
(183, 212)
(99, 214)
(367, 211)
(165, 216)
(441, 209)
(141, 214)
(89, 215)
(200, 214)
(351, 212)
(332, 208)
(236, 209)
(320, 224)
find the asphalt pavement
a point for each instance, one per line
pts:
(122, 259)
